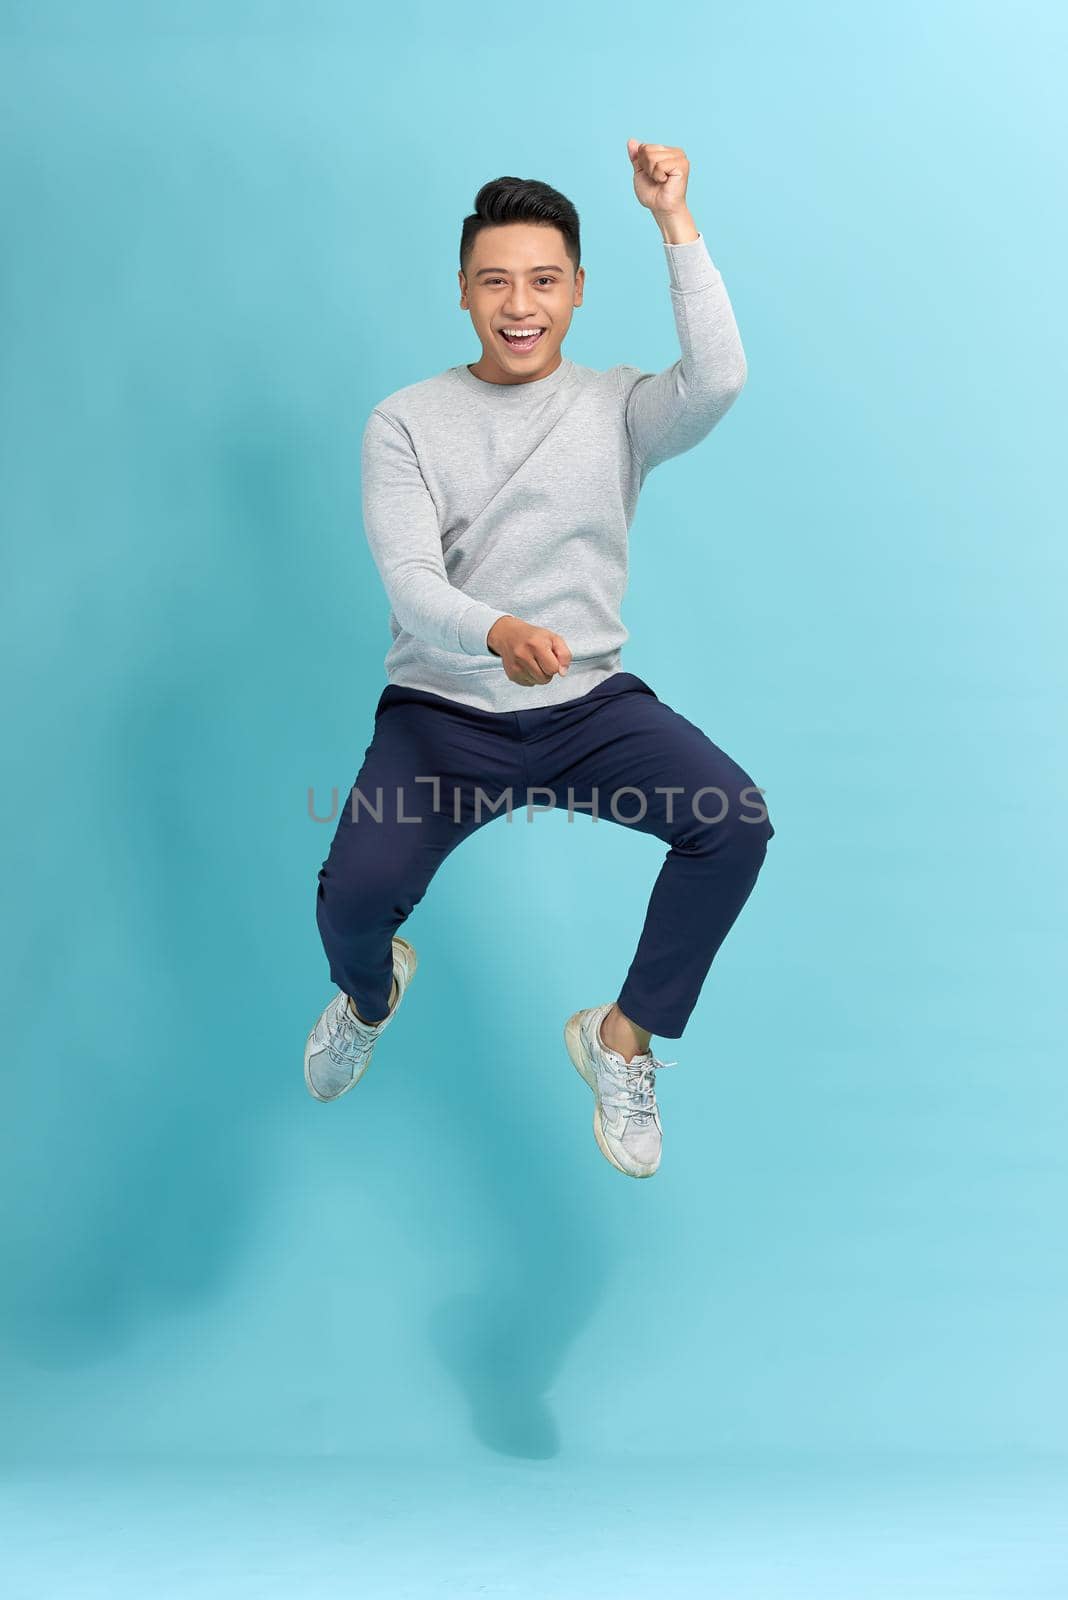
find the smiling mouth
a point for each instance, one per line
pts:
(524, 342)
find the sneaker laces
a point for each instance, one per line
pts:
(633, 1089)
(350, 1035)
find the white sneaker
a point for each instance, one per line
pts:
(339, 1047)
(626, 1119)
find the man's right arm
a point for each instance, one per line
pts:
(401, 524)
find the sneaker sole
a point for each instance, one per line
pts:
(327, 1099)
(576, 1050)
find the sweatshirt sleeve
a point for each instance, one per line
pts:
(671, 411)
(401, 524)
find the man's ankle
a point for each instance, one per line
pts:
(618, 1033)
(394, 994)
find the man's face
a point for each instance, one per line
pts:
(520, 277)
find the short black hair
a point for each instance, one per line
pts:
(520, 200)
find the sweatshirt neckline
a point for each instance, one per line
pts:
(515, 393)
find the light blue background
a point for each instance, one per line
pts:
(822, 1352)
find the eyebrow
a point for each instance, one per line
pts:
(481, 270)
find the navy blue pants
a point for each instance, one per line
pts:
(436, 770)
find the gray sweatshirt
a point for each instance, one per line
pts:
(483, 500)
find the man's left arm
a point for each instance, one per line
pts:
(671, 411)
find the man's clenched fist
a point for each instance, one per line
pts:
(661, 173)
(531, 655)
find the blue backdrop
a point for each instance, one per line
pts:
(428, 1335)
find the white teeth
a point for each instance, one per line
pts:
(523, 333)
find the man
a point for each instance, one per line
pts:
(497, 501)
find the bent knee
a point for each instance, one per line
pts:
(356, 899)
(748, 835)
(735, 810)
(740, 833)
